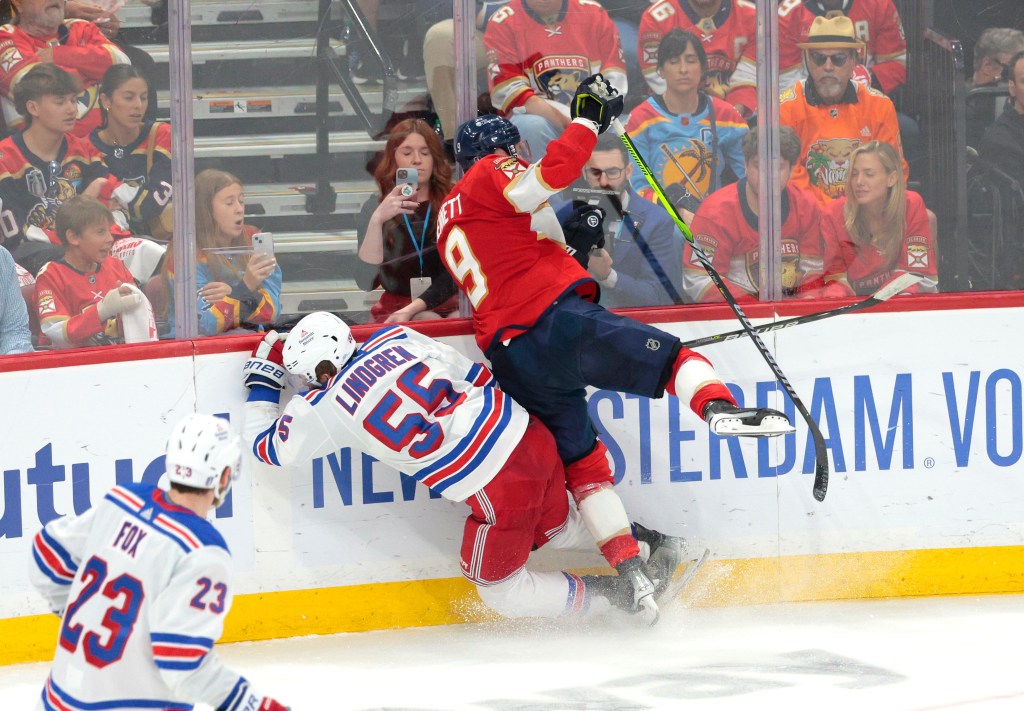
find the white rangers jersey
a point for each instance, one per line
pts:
(411, 402)
(143, 586)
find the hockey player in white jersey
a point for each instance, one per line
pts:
(424, 409)
(142, 582)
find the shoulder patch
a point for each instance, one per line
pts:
(787, 95)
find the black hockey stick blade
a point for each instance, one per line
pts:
(820, 451)
(897, 285)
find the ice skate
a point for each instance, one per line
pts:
(727, 420)
(640, 591)
(675, 587)
(665, 555)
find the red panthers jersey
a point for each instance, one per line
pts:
(78, 48)
(32, 189)
(727, 230)
(67, 299)
(877, 23)
(724, 35)
(527, 57)
(863, 265)
(502, 242)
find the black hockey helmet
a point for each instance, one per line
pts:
(480, 136)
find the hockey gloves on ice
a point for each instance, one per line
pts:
(266, 366)
(598, 101)
(584, 231)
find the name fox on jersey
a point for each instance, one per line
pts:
(129, 538)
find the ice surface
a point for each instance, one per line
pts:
(926, 654)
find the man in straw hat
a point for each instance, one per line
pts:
(831, 113)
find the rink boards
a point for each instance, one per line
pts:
(920, 404)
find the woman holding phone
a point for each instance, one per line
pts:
(398, 230)
(239, 286)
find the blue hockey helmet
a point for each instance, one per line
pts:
(480, 136)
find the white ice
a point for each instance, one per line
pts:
(924, 654)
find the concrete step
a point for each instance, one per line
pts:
(281, 101)
(337, 295)
(278, 145)
(203, 52)
(340, 242)
(273, 200)
(136, 14)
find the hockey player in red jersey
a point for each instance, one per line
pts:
(535, 312)
(142, 582)
(426, 410)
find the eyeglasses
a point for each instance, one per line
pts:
(838, 59)
(612, 173)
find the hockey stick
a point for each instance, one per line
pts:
(888, 291)
(820, 453)
(677, 585)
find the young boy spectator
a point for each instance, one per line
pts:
(45, 165)
(88, 298)
(727, 228)
(42, 35)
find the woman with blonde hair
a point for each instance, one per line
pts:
(879, 230)
(398, 232)
(238, 288)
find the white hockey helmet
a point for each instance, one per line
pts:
(315, 338)
(199, 449)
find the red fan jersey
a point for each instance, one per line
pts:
(528, 57)
(78, 48)
(865, 268)
(877, 23)
(67, 299)
(727, 230)
(829, 133)
(501, 240)
(724, 36)
(32, 189)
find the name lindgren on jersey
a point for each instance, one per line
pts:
(414, 404)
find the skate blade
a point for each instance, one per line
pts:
(679, 583)
(648, 613)
(768, 427)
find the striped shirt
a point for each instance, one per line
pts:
(14, 333)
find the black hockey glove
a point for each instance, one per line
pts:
(681, 198)
(584, 231)
(598, 101)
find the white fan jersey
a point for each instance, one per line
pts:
(409, 401)
(143, 586)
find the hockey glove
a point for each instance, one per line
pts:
(597, 101)
(584, 231)
(271, 705)
(114, 303)
(266, 365)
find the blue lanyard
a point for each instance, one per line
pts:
(423, 235)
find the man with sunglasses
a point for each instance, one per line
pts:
(639, 263)
(833, 114)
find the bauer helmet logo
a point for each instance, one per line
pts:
(653, 344)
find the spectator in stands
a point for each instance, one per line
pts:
(1003, 143)
(15, 336)
(725, 27)
(687, 136)
(43, 36)
(439, 62)
(538, 52)
(44, 165)
(88, 297)
(136, 150)
(398, 233)
(831, 113)
(639, 263)
(879, 230)
(727, 229)
(238, 288)
(878, 26)
(992, 54)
